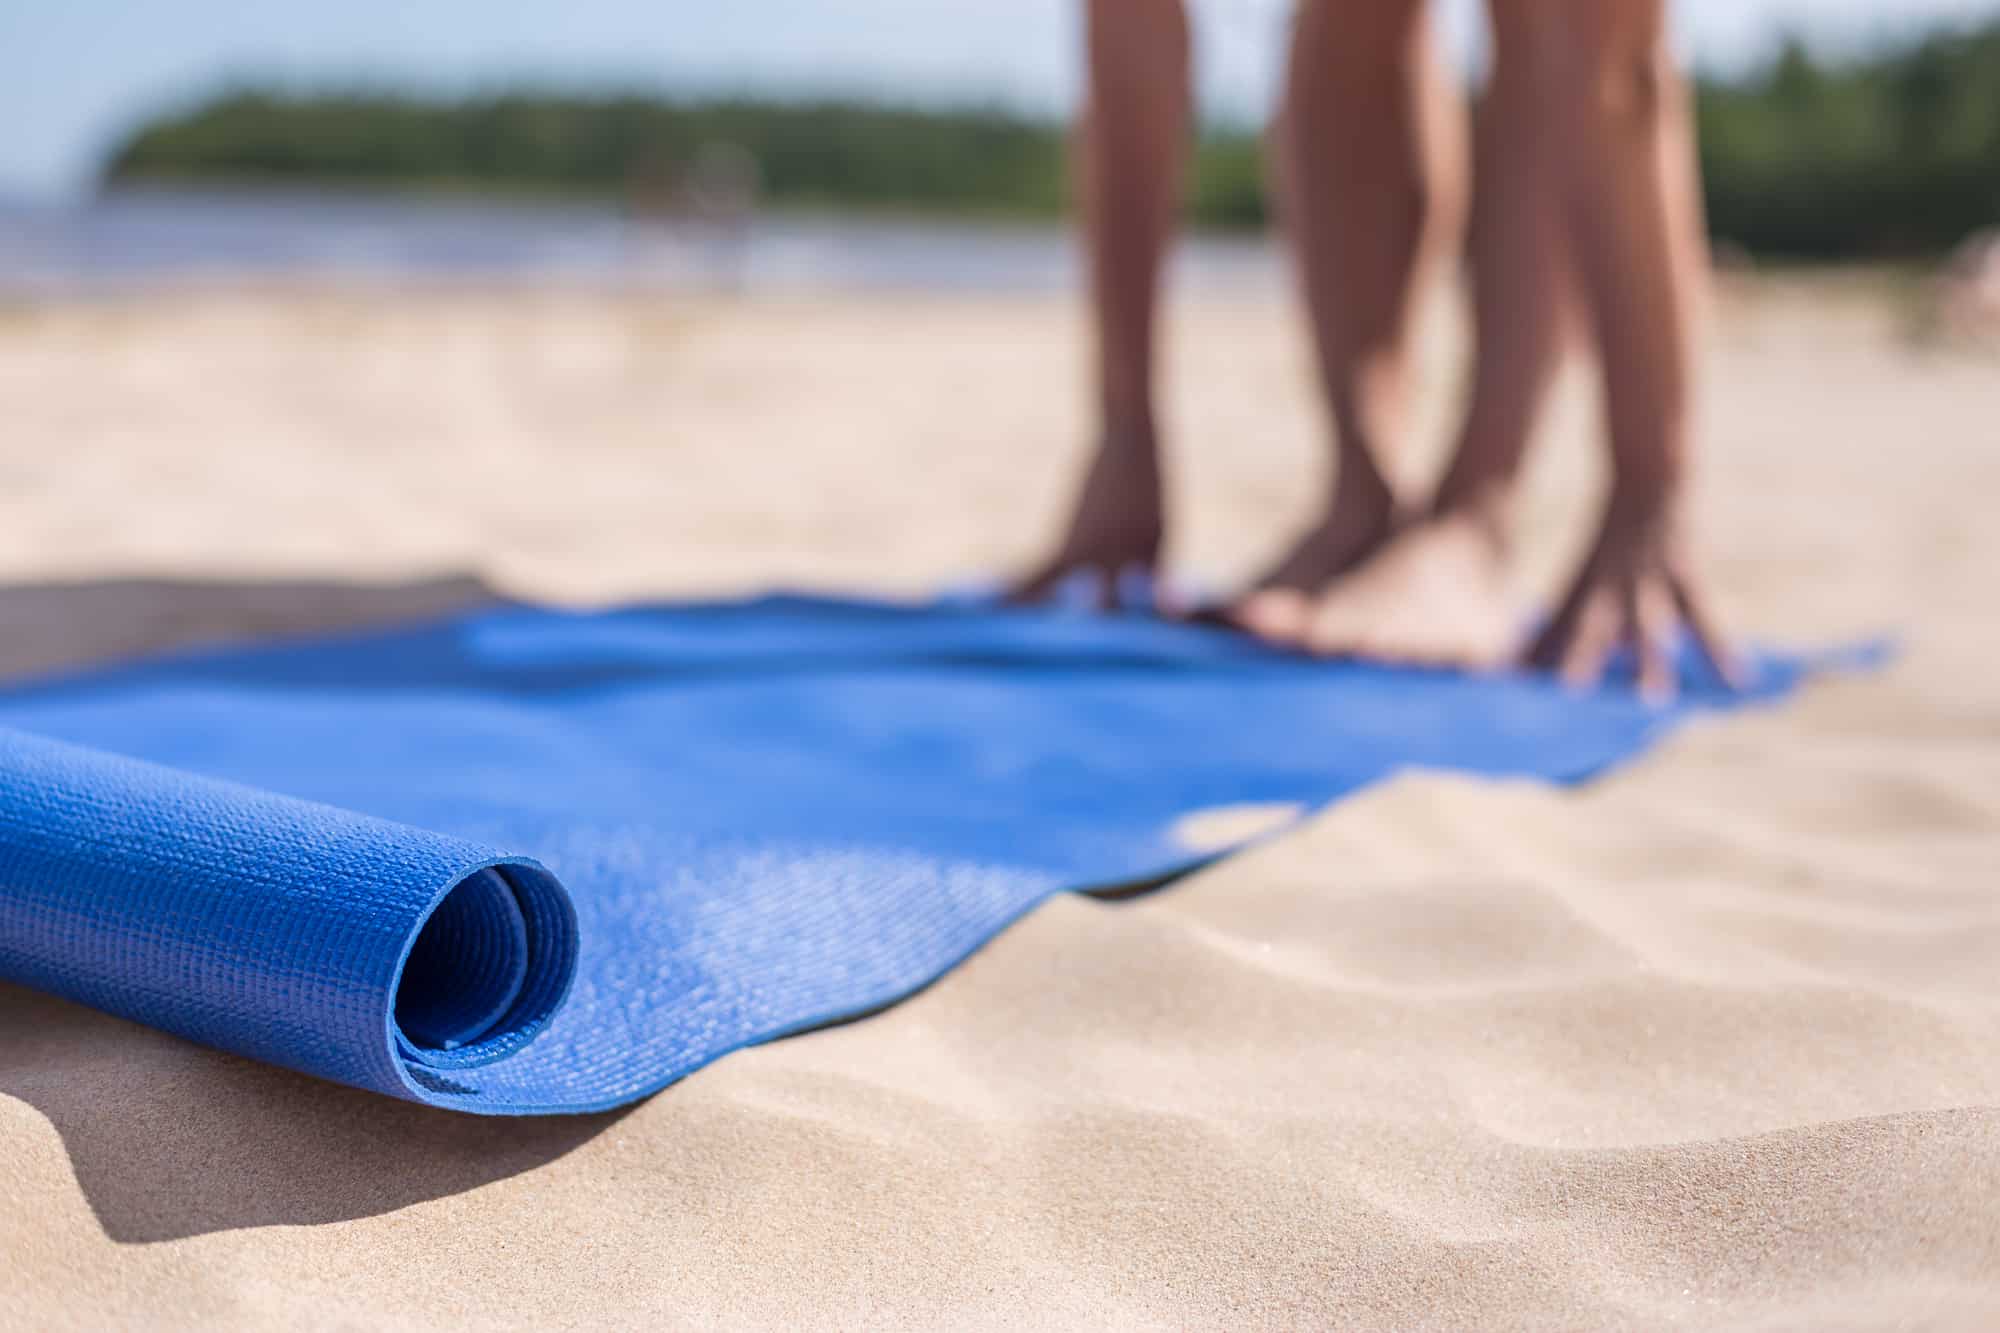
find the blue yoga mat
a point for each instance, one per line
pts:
(527, 861)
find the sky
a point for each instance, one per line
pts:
(75, 74)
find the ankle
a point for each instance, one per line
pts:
(1130, 443)
(1645, 497)
(1485, 506)
(1361, 495)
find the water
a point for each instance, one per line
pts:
(145, 239)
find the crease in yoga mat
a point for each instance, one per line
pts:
(528, 861)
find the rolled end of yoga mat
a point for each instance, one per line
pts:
(341, 945)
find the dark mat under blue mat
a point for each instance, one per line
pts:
(528, 861)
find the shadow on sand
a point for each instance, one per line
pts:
(48, 627)
(168, 1139)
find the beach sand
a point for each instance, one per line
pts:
(1714, 1042)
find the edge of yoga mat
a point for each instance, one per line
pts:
(164, 897)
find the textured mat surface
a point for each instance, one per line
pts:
(527, 861)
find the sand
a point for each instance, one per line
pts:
(1713, 1043)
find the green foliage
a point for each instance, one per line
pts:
(828, 152)
(1226, 187)
(1895, 154)
(1899, 154)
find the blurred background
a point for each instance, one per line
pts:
(603, 138)
(614, 298)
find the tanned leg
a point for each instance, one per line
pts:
(1132, 146)
(1631, 209)
(1371, 166)
(1439, 592)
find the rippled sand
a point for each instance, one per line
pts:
(1715, 1042)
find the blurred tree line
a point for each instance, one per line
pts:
(1895, 153)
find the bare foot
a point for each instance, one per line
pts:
(1361, 518)
(1117, 529)
(1636, 591)
(1436, 594)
